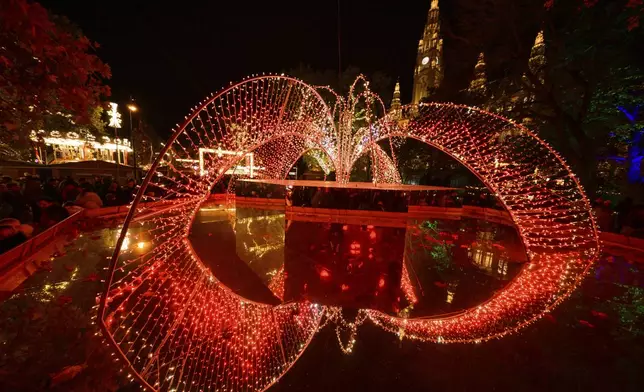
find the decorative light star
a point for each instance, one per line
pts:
(114, 115)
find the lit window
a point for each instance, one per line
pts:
(503, 267)
(486, 235)
(487, 261)
(450, 297)
(477, 256)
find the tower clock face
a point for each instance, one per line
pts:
(425, 60)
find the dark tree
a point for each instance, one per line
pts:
(590, 65)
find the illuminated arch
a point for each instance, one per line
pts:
(384, 168)
(167, 291)
(544, 200)
(318, 160)
(176, 326)
(281, 166)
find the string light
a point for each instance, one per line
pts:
(174, 325)
(114, 116)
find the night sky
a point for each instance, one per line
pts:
(170, 55)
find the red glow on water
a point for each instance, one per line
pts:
(355, 248)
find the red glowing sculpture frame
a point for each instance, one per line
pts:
(176, 327)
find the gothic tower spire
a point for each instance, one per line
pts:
(536, 66)
(537, 54)
(478, 83)
(428, 72)
(395, 108)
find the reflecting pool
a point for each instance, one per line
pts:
(410, 265)
(594, 341)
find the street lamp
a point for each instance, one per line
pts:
(132, 108)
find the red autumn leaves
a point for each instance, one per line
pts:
(47, 65)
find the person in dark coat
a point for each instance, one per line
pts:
(10, 237)
(21, 210)
(69, 190)
(129, 191)
(50, 189)
(32, 190)
(113, 196)
(50, 213)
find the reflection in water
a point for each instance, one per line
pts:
(457, 264)
(259, 237)
(421, 268)
(596, 336)
(344, 265)
(47, 324)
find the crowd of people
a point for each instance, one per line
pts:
(372, 200)
(29, 206)
(252, 189)
(625, 217)
(455, 198)
(351, 199)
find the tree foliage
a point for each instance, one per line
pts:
(589, 72)
(570, 91)
(46, 69)
(590, 67)
(93, 124)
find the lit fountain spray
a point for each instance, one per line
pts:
(355, 131)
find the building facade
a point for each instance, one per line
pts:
(428, 71)
(504, 98)
(509, 95)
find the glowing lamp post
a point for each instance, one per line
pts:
(133, 108)
(115, 122)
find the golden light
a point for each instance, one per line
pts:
(114, 115)
(132, 107)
